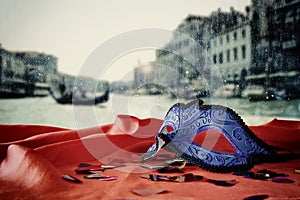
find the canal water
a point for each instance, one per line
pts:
(45, 111)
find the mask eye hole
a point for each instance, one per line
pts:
(167, 129)
(214, 140)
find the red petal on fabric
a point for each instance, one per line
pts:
(70, 178)
(107, 178)
(282, 179)
(147, 191)
(257, 197)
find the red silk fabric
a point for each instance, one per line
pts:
(33, 158)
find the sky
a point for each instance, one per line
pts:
(72, 29)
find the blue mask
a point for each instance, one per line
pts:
(188, 120)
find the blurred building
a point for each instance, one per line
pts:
(186, 51)
(43, 65)
(25, 73)
(275, 41)
(230, 43)
(275, 35)
(258, 46)
(155, 76)
(260, 35)
(220, 41)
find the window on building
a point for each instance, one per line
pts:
(243, 51)
(228, 55)
(221, 40)
(289, 16)
(215, 58)
(227, 38)
(235, 53)
(8, 64)
(221, 58)
(235, 35)
(208, 45)
(244, 33)
(276, 18)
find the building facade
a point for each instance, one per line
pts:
(24, 73)
(275, 36)
(231, 49)
(285, 35)
(258, 46)
(222, 41)
(186, 52)
(275, 41)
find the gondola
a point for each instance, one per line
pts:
(68, 99)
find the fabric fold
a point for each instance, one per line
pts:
(35, 157)
(24, 173)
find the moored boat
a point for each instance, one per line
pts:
(70, 99)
